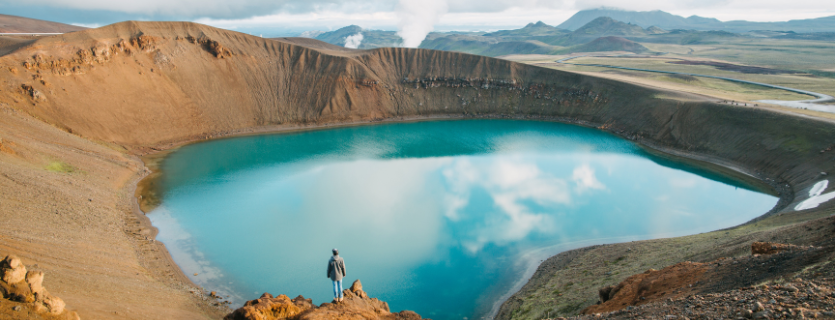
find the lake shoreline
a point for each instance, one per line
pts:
(713, 165)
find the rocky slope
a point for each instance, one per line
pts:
(76, 110)
(356, 305)
(800, 287)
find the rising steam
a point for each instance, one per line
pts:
(418, 18)
(353, 41)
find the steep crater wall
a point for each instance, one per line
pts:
(151, 85)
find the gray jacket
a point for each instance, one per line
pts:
(336, 268)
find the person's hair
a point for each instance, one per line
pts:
(335, 252)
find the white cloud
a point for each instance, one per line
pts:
(511, 184)
(353, 41)
(584, 178)
(416, 17)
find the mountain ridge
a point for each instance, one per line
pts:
(18, 24)
(670, 21)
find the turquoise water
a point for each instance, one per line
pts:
(444, 218)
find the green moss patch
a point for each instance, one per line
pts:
(58, 166)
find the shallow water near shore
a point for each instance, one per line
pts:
(444, 218)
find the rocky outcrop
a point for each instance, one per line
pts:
(772, 248)
(356, 305)
(648, 286)
(768, 261)
(27, 287)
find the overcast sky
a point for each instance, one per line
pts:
(287, 16)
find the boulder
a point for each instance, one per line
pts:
(53, 304)
(280, 307)
(356, 288)
(303, 303)
(357, 285)
(13, 270)
(35, 281)
(11, 261)
(771, 247)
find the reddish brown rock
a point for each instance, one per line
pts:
(35, 281)
(652, 285)
(267, 308)
(53, 304)
(27, 287)
(356, 288)
(357, 305)
(357, 285)
(771, 247)
(12, 269)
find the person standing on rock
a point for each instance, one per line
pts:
(336, 271)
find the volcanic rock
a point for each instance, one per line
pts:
(268, 308)
(27, 287)
(771, 248)
(357, 305)
(648, 286)
(53, 304)
(35, 281)
(13, 271)
(357, 285)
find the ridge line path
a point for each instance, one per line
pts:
(798, 104)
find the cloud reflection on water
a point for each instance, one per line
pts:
(465, 206)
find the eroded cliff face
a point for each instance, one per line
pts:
(145, 84)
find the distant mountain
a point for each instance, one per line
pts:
(487, 46)
(669, 21)
(370, 39)
(538, 29)
(607, 44)
(15, 24)
(598, 35)
(541, 38)
(601, 27)
(605, 26)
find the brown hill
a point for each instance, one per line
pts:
(16, 24)
(77, 109)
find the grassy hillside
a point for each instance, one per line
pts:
(604, 44)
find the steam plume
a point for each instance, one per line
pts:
(353, 41)
(418, 18)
